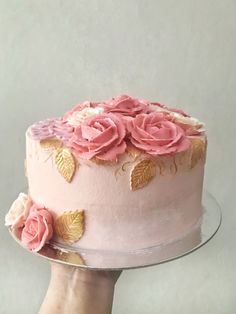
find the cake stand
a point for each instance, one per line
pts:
(93, 269)
(113, 260)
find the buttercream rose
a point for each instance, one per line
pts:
(192, 126)
(125, 105)
(50, 128)
(79, 107)
(38, 228)
(77, 117)
(101, 136)
(19, 211)
(155, 106)
(157, 135)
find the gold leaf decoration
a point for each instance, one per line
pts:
(142, 174)
(70, 257)
(161, 165)
(50, 143)
(102, 162)
(69, 226)
(183, 158)
(173, 166)
(133, 151)
(125, 165)
(65, 163)
(198, 151)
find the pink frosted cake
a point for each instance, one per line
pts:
(123, 174)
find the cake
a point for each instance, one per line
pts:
(119, 175)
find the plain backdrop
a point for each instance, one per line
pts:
(54, 54)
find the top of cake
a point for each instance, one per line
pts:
(105, 130)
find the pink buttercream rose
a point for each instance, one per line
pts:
(101, 136)
(38, 228)
(125, 105)
(156, 134)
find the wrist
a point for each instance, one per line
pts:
(76, 290)
(78, 277)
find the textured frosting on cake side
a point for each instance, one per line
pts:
(122, 175)
(116, 217)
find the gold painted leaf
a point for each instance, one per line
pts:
(102, 162)
(69, 226)
(65, 163)
(173, 166)
(50, 143)
(133, 151)
(198, 151)
(142, 174)
(161, 164)
(70, 257)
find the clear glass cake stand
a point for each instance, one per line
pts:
(112, 260)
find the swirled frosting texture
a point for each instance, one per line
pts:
(55, 127)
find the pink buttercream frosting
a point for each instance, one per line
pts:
(38, 228)
(157, 135)
(125, 105)
(99, 129)
(101, 136)
(55, 127)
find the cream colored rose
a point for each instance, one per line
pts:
(18, 211)
(192, 125)
(153, 107)
(77, 117)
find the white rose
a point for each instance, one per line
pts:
(18, 210)
(158, 108)
(193, 123)
(78, 116)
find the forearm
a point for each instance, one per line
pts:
(78, 291)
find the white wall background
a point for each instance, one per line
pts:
(56, 53)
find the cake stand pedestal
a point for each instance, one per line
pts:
(94, 273)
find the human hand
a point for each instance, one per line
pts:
(79, 290)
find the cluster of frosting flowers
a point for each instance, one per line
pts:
(33, 223)
(103, 129)
(190, 125)
(49, 128)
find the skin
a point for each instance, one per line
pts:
(79, 291)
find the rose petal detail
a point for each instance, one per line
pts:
(157, 135)
(38, 228)
(101, 136)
